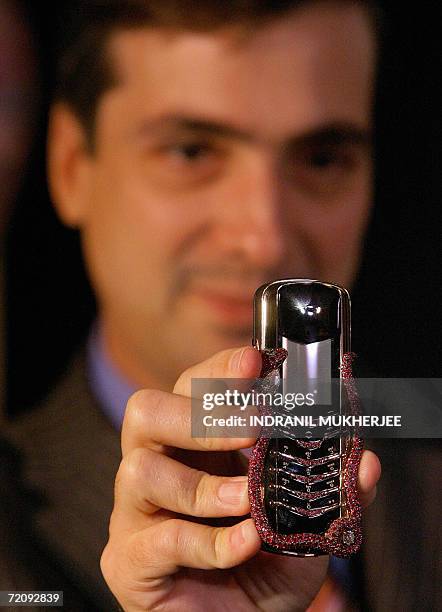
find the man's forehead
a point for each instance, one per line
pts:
(313, 66)
(310, 30)
(316, 23)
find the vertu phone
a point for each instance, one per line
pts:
(302, 491)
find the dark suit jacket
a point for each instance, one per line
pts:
(403, 528)
(71, 455)
(57, 521)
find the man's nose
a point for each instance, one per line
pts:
(253, 222)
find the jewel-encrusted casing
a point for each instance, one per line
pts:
(313, 531)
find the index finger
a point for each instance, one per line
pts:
(157, 420)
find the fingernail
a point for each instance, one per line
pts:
(233, 492)
(248, 531)
(235, 363)
(243, 533)
(237, 538)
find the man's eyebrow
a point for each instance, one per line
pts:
(171, 123)
(331, 133)
(334, 134)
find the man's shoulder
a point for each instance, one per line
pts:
(67, 446)
(67, 422)
(68, 455)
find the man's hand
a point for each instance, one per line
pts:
(172, 542)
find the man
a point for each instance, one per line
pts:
(200, 152)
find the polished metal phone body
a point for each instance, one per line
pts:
(303, 499)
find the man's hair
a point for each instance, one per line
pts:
(84, 70)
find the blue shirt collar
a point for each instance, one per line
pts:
(109, 386)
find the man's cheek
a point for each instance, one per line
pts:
(332, 249)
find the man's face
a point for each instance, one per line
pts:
(223, 161)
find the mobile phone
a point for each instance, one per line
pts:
(302, 491)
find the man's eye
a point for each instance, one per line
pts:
(191, 152)
(331, 157)
(185, 163)
(325, 159)
(324, 169)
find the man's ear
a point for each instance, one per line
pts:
(69, 165)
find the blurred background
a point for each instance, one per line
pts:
(397, 300)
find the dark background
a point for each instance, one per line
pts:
(397, 300)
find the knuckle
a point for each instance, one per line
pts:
(119, 483)
(143, 412)
(132, 480)
(133, 403)
(137, 462)
(125, 476)
(172, 535)
(129, 471)
(220, 558)
(138, 551)
(113, 526)
(106, 563)
(141, 405)
(201, 493)
(161, 544)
